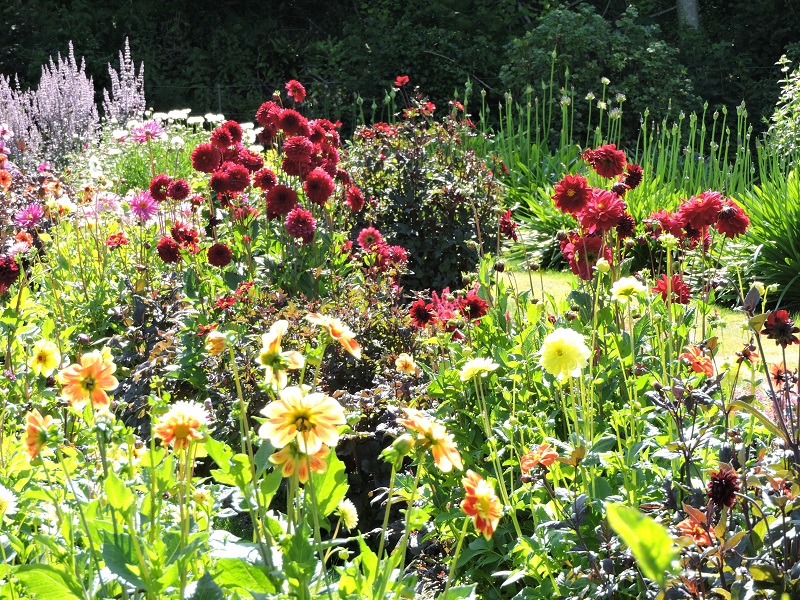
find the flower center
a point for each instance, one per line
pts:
(41, 358)
(303, 422)
(181, 431)
(89, 383)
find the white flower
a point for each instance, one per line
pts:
(627, 288)
(8, 502)
(477, 366)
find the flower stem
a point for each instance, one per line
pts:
(455, 558)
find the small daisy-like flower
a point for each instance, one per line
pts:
(89, 380)
(8, 503)
(291, 460)
(405, 364)
(143, 206)
(182, 424)
(544, 456)
(627, 289)
(347, 512)
(37, 432)
(311, 419)
(45, 358)
(482, 503)
(275, 361)
(29, 216)
(429, 434)
(477, 366)
(338, 331)
(564, 353)
(369, 237)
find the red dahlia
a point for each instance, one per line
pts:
(296, 90)
(159, 187)
(369, 237)
(700, 211)
(178, 189)
(168, 250)
(663, 221)
(300, 224)
(602, 211)
(115, 240)
(267, 114)
(236, 177)
(221, 138)
(422, 313)
(219, 255)
(584, 254)
(354, 199)
(318, 186)
(626, 226)
(185, 236)
(507, 226)
(732, 220)
(280, 201)
(400, 80)
(607, 161)
(206, 158)
(298, 169)
(723, 487)
(235, 131)
(681, 292)
(252, 160)
(633, 176)
(298, 148)
(9, 272)
(779, 326)
(219, 182)
(472, 307)
(572, 192)
(293, 123)
(264, 179)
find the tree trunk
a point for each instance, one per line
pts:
(687, 14)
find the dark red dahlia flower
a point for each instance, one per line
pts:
(168, 250)
(206, 158)
(296, 90)
(293, 123)
(422, 313)
(583, 253)
(219, 182)
(681, 292)
(9, 272)
(700, 211)
(252, 160)
(507, 226)
(602, 211)
(732, 220)
(472, 307)
(297, 169)
(369, 237)
(780, 327)
(626, 226)
(115, 240)
(221, 138)
(178, 189)
(159, 186)
(264, 179)
(571, 195)
(398, 255)
(185, 236)
(267, 114)
(219, 255)
(237, 175)
(663, 221)
(318, 186)
(723, 487)
(607, 161)
(235, 131)
(633, 176)
(354, 199)
(298, 148)
(280, 201)
(301, 224)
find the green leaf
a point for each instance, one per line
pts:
(461, 592)
(207, 589)
(237, 573)
(765, 420)
(331, 486)
(119, 559)
(118, 494)
(649, 541)
(220, 453)
(44, 581)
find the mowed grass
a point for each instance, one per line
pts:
(732, 336)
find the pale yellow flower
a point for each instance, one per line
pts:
(477, 366)
(627, 289)
(338, 331)
(45, 358)
(564, 353)
(348, 514)
(215, 342)
(405, 364)
(290, 459)
(182, 424)
(312, 419)
(430, 434)
(274, 360)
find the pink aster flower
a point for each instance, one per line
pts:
(29, 216)
(151, 130)
(143, 206)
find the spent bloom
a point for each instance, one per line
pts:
(311, 419)
(89, 379)
(564, 353)
(347, 512)
(45, 358)
(291, 460)
(429, 434)
(482, 503)
(626, 289)
(275, 361)
(182, 424)
(477, 366)
(337, 331)
(723, 486)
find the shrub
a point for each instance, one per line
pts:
(632, 56)
(784, 131)
(432, 196)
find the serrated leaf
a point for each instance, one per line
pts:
(649, 541)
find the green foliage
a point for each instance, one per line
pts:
(784, 130)
(587, 47)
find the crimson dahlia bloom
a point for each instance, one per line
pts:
(422, 313)
(626, 226)
(221, 138)
(354, 199)
(661, 221)
(280, 201)
(298, 148)
(507, 227)
(265, 179)
(606, 160)
(250, 159)
(297, 169)
(571, 195)
(159, 186)
(583, 253)
(723, 487)
(296, 90)
(168, 250)
(472, 307)
(267, 114)
(681, 292)
(219, 255)
(293, 123)
(115, 240)
(318, 186)
(780, 327)
(301, 224)
(178, 189)
(369, 237)
(700, 211)
(234, 130)
(633, 176)
(9, 272)
(206, 158)
(732, 220)
(602, 212)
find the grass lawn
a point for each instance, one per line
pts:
(559, 284)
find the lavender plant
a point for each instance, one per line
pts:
(126, 100)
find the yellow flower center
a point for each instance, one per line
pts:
(570, 193)
(181, 431)
(88, 383)
(303, 422)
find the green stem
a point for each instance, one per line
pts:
(455, 558)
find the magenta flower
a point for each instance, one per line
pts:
(29, 216)
(151, 130)
(143, 207)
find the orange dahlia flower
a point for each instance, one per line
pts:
(181, 425)
(698, 361)
(338, 331)
(430, 434)
(312, 419)
(482, 503)
(543, 456)
(89, 380)
(291, 459)
(695, 531)
(36, 427)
